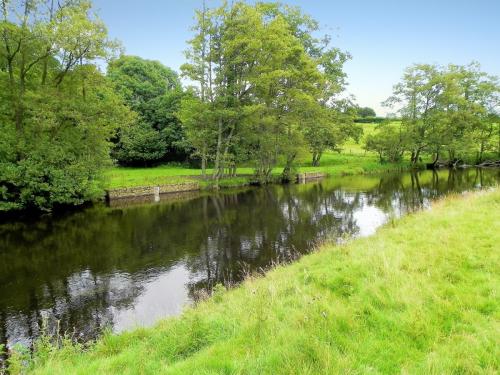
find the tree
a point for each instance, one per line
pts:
(471, 100)
(58, 111)
(364, 112)
(154, 92)
(448, 111)
(140, 144)
(261, 76)
(389, 142)
(331, 130)
(418, 93)
(199, 122)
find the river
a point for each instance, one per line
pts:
(129, 266)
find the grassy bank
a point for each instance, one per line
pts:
(421, 296)
(333, 164)
(351, 161)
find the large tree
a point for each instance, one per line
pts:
(58, 111)
(365, 112)
(154, 92)
(448, 112)
(263, 78)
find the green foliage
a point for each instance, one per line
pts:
(140, 144)
(139, 81)
(365, 112)
(388, 142)
(58, 111)
(449, 112)
(330, 130)
(198, 120)
(154, 92)
(419, 296)
(262, 80)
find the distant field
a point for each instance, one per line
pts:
(352, 160)
(352, 147)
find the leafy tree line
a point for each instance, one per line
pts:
(450, 114)
(257, 73)
(57, 111)
(265, 89)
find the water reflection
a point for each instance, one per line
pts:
(121, 267)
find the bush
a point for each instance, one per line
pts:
(370, 120)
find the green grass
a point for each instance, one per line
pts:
(352, 160)
(352, 147)
(419, 297)
(333, 164)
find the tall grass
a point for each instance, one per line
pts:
(419, 297)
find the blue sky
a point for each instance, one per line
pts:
(383, 36)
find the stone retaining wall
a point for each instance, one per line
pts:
(144, 191)
(149, 199)
(302, 177)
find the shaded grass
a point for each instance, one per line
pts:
(419, 297)
(352, 160)
(333, 164)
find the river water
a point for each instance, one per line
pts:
(129, 266)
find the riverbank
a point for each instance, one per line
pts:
(333, 164)
(418, 297)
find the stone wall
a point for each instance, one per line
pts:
(303, 177)
(152, 191)
(149, 199)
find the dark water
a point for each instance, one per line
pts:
(123, 267)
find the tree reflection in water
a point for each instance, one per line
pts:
(118, 267)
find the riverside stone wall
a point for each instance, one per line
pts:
(145, 191)
(303, 177)
(149, 199)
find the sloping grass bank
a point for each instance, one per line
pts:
(333, 164)
(421, 296)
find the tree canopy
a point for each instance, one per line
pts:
(264, 89)
(364, 112)
(262, 83)
(449, 112)
(57, 110)
(154, 92)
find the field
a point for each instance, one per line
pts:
(419, 297)
(352, 160)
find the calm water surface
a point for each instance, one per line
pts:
(129, 266)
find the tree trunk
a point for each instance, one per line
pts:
(287, 171)
(436, 158)
(216, 174)
(480, 154)
(204, 164)
(417, 157)
(316, 159)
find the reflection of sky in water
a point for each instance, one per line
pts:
(129, 267)
(368, 219)
(165, 295)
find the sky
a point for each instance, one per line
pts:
(383, 36)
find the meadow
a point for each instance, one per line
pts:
(353, 159)
(418, 297)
